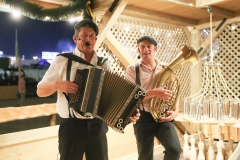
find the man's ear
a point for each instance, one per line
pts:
(74, 38)
(139, 54)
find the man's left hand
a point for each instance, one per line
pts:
(172, 115)
(135, 117)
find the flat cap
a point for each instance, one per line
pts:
(151, 39)
(87, 23)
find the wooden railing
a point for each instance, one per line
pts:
(17, 113)
(8, 92)
(42, 143)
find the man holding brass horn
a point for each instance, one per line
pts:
(146, 128)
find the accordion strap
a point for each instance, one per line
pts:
(137, 74)
(138, 78)
(75, 58)
(101, 61)
(71, 57)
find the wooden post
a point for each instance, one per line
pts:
(52, 120)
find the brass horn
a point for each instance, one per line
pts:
(158, 108)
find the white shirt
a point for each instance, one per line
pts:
(57, 72)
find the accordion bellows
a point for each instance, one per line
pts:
(107, 96)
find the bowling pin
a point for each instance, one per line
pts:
(219, 153)
(185, 146)
(230, 142)
(210, 149)
(201, 155)
(193, 152)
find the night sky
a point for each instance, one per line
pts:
(34, 36)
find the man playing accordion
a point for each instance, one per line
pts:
(78, 134)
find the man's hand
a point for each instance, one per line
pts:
(172, 115)
(66, 86)
(135, 117)
(163, 93)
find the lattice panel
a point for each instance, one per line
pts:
(227, 52)
(170, 38)
(116, 65)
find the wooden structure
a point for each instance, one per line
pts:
(171, 23)
(8, 92)
(41, 144)
(17, 113)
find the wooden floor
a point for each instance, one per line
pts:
(156, 157)
(160, 157)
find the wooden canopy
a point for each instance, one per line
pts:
(194, 13)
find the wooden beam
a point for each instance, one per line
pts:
(187, 32)
(118, 50)
(16, 113)
(215, 32)
(156, 16)
(218, 14)
(28, 136)
(180, 127)
(185, 126)
(129, 11)
(183, 2)
(101, 6)
(108, 20)
(222, 12)
(204, 23)
(202, 3)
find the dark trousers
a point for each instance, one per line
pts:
(146, 129)
(77, 136)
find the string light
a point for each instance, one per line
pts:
(16, 13)
(47, 18)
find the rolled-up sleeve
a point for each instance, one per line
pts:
(54, 72)
(130, 73)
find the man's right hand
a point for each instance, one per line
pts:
(163, 93)
(66, 86)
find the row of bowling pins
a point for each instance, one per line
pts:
(190, 153)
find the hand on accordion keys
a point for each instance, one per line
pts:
(66, 86)
(135, 117)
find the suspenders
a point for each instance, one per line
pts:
(137, 74)
(71, 57)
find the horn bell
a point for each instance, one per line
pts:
(158, 108)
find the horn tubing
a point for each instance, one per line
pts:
(187, 56)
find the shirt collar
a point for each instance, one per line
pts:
(159, 64)
(80, 54)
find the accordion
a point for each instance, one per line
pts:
(107, 96)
